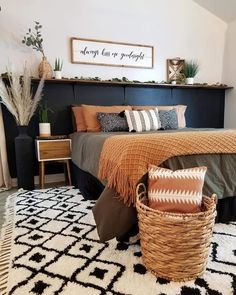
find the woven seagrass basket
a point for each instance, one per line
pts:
(175, 246)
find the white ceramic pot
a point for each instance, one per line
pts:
(57, 74)
(190, 81)
(44, 129)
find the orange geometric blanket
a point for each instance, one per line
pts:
(124, 158)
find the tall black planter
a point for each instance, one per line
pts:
(24, 159)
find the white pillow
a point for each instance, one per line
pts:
(145, 120)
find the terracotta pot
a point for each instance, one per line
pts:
(45, 69)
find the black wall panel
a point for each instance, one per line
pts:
(205, 106)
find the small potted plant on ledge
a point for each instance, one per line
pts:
(190, 70)
(44, 125)
(58, 68)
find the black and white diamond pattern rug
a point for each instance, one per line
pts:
(56, 250)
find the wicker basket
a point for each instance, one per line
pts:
(175, 246)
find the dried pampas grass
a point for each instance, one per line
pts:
(18, 96)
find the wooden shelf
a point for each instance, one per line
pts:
(136, 84)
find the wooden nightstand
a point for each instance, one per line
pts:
(49, 150)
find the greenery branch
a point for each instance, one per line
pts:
(34, 38)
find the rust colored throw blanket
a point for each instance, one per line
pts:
(124, 159)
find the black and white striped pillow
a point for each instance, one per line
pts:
(145, 120)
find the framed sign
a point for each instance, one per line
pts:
(98, 52)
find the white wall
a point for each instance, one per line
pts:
(229, 75)
(175, 28)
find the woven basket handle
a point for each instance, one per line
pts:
(141, 191)
(214, 198)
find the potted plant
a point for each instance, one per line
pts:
(58, 68)
(44, 125)
(16, 94)
(190, 70)
(34, 38)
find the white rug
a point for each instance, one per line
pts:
(56, 250)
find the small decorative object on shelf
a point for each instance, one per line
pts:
(174, 69)
(44, 125)
(151, 81)
(218, 84)
(58, 68)
(180, 78)
(190, 70)
(34, 39)
(17, 96)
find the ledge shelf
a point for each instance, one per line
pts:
(136, 84)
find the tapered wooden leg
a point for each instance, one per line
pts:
(65, 169)
(41, 174)
(68, 171)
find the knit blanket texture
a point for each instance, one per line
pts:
(124, 159)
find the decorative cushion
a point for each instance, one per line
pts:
(169, 119)
(90, 114)
(79, 119)
(111, 122)
(177, 191)
(180, 109)
(143, 120)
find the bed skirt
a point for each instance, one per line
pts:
(91, 188)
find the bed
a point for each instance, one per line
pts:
(114, 214)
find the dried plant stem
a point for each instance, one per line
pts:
(18, 97)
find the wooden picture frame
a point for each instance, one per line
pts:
(108, 53)
(174, 69)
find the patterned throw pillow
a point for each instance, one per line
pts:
(169, 119)
(111, 122)
(144, 120)
(177, 191)
(90, 114)
(180, 109)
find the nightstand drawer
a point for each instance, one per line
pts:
(54, 149)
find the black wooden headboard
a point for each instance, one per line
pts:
(205, 104)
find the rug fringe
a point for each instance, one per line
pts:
(6, 242)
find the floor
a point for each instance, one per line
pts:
(5, 194)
